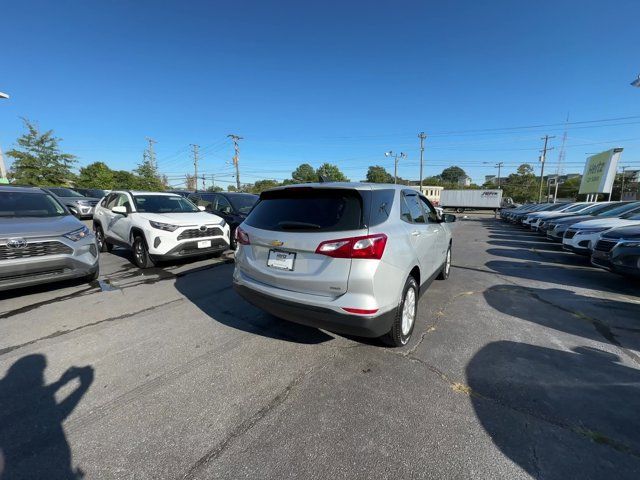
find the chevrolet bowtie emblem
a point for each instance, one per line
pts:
(277, 243)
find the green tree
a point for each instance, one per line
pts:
(452, 174)
(96, 175)
(331, 173)
(215, 188)
(124, 180)
(570, 188)
(147, 176)
(378, 174)
(523, 185)
(232, 188)
(305, 173)
(262, 185)
(39, 161)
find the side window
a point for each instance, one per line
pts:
(432, 215)
(105, 201)
(381, 203)
(405, 214)
(207, 201)
(112, 202)
(413, 209)
(223, 205)
(123, 201)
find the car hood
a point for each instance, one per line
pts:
(605, 222)
(631, 232)
(30, 227)
(183, 218)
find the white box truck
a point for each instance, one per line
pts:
(461, 200)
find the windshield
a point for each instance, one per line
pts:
(619, 210)
(65, 192)
(598, 209)
(243, 203)
(577, 207)
(21, 204)
(163, 204)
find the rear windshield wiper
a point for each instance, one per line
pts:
(298, 225)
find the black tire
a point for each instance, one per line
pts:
(446, 268)
(459, 210)
(395, 337)
(103, 245)
(141, 253)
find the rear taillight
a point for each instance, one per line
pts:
(242, 237)
(370, 246)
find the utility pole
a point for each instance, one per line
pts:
(422, 138)
(543, 157)
(204, 185)
(152, 153)
(622, 186)
(499, 165)
(396, 157)
(236, 156)
(195, 163)
(213, 181)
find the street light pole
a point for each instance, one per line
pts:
(395, 156)
(422, 137)
(3, 168)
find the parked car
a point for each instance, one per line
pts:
(618, 250)
(157, 226)
(78, 204)
(348, 257)
(182, 193)
(581, 236)
(232, 207)
(40, 241)
(556, 228)
(92, 192)
(533, 219)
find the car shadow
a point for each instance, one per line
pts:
(558, 414)
(535, 254)
(596, 279)
(32, 439)
(211, 291)
(612, 321)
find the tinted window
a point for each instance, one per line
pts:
(243, 203)
(20, 204)
(65, 192)
(308, 209)
(432, 216)
(381, 203)
(223, 205)
(413, 208)
(163, 204)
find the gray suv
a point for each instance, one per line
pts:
(78, 204)
(40, 241)
(347, 257)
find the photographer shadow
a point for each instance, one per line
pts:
(32, 440)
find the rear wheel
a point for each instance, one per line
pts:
(141, 254)
(459, 210)
(405, 317)
(446, 268)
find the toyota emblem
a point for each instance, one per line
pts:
(16, 243)
(203, 228)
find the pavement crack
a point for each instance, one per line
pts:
(244, 427)
(59, 333)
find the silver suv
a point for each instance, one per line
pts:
(40, 241)
(347, 257)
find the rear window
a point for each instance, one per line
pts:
(308, 209)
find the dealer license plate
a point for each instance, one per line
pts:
(281, 260)
(204, 243)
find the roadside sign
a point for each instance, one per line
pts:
(600, 172)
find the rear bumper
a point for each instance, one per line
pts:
(319, 317)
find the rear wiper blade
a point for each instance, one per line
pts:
(300, 225)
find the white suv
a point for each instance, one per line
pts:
(157, 226)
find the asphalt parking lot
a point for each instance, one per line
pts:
(524, 364)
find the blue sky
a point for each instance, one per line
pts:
(332, 81)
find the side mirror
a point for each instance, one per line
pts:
(120, 209)
(449, 218)
(201, 208)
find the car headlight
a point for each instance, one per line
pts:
(167, 227)
(78, 234)
(222, 223)
(629, 244)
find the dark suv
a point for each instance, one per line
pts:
(232, 207)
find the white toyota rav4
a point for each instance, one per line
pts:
(157, 226)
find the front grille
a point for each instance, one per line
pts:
(570, 234)
(605, 245)
(197, 233)
(36, 249)
(33, 275)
